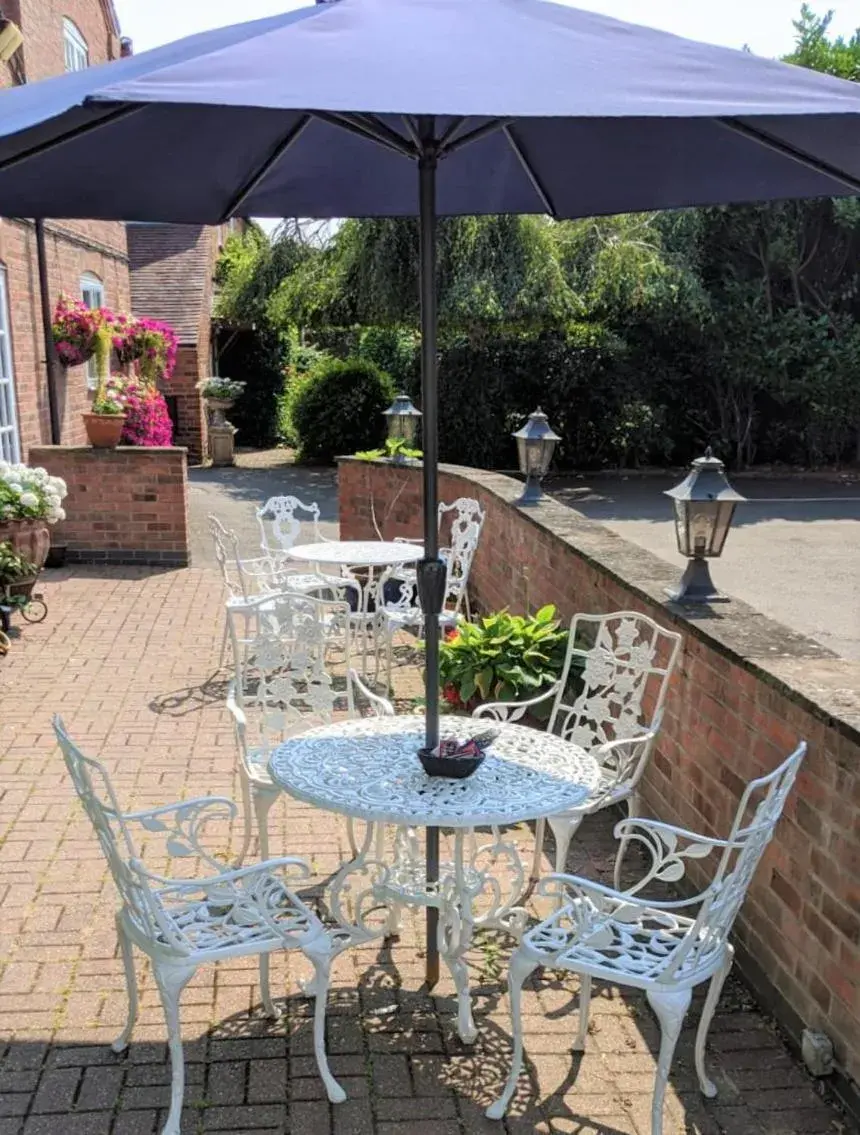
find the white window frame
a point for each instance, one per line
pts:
(93, 295)
(76, 51)
(10, 442)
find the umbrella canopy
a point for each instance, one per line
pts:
(569, 112)
(504, 106)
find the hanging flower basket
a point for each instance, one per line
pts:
(76, 329)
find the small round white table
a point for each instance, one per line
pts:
(368, 769)
(357, 553)
(370, 555)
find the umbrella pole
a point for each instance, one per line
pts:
(431, 570)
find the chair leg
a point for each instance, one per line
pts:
(389, 658)
(564, 828)
(263, 802)
(537, 858)
(584, 1008)
(322, 967)
(223, 655)
(171, 980)
(709, 1088)
(266, 990)
(671, 1008)
(521, 967)
(247, 816)
(121, 1042)
(632, 812)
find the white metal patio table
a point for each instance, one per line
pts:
(352, 555)
(368, 769)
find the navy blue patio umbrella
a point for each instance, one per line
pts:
(403, 107)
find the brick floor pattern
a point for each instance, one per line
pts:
(129, 657)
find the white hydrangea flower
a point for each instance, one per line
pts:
(29, 500)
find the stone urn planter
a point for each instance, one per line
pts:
(218, 407)
(30, 539)
(104, 430)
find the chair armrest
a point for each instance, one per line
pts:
(234, 708)
(669, 849)
(408, 540)
(513, 710)
(381, 706)
(236, 900)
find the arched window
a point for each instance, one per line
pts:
(93, 295)
(75, 50)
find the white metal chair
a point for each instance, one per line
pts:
(282, 686)
(247, 579)
(665, 948)
(285, 516)
(182, 923)
(460, 535)
(401, 610)
(611, 693)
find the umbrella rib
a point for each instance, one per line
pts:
(786, 150)
(375, 125)
(355, 125)
(453, 127)
(276, 154)
(412, 127)
(85, 128)
(529, 171)
(474, 135)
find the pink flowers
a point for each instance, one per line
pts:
(75, 328)
(148, 342)
(147, 420)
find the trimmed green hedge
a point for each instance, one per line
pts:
(338, 409)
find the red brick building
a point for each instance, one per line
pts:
(172, 269)
(86, 259)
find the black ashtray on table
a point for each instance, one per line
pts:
(455, 760)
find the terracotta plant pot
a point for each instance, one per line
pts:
(29, 538)
(104, 430)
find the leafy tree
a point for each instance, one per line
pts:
(493, 272)
(814, 48)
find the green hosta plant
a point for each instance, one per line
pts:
(394, 447)
(502, 657)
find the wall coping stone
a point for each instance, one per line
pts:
(803, 670)
(137, 450)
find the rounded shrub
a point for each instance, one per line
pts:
(339, 408)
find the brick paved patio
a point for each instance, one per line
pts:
(129, 657)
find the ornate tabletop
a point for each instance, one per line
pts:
(369, 769)
(357, 553)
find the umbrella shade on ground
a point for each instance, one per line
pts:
(398, 107)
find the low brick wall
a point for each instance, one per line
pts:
(747, 689)
(125, 506)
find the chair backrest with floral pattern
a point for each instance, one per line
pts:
(283, 681)
(96, 794)
(670, 851)
(286, 525)
(615, 678)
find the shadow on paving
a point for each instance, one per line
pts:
(397, 1055)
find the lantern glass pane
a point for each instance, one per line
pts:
(703, 523)
(681, 532)
(725, 512)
